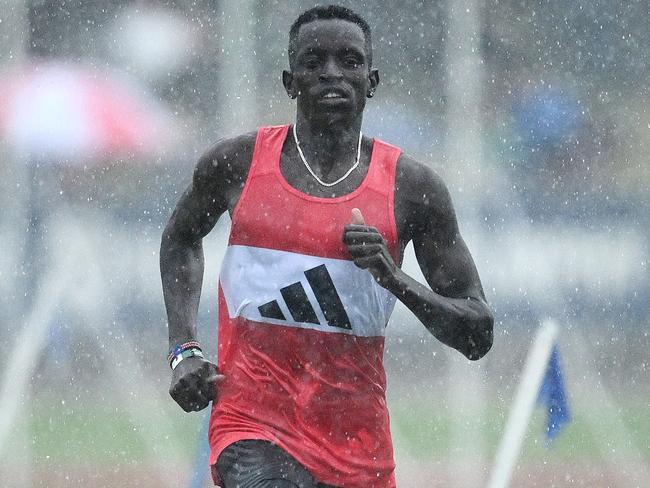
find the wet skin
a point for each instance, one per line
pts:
(330, 77)
(331, 80)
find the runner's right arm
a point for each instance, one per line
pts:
(216, 184)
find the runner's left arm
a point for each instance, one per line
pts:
(453, 307)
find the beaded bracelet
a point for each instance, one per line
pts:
(178, 350)
(187, 353)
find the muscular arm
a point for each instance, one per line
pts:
(453, 309)
(216, 184)
(453, 306)
(181, 250)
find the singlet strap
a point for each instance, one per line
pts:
(381, 173)
(266, 156)
(268, 149)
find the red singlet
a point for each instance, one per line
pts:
(301, 328)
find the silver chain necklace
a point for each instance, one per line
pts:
(302, 156)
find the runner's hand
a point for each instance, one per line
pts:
(368, 248)
(194, 383)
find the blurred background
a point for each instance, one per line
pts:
(536, 114)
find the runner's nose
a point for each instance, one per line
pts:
(331, 70)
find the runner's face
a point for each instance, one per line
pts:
(331, 76)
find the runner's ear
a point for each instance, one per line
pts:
(373, 78)
(287, 81)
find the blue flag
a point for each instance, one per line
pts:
(552, 395)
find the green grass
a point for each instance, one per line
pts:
(425, 431)
(99, 432)
(93, 432)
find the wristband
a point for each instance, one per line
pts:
(187, 353)
(179, 348)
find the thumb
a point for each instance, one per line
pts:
(211, 385)
(215, 378)
(357, 217)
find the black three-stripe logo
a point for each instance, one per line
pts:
(299, 306)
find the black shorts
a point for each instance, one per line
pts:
(261, 464)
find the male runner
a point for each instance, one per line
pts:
(320, 218)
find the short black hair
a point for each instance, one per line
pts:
(327, 13)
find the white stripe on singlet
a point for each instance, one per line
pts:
(329, 295)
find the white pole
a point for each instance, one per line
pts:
(15, 195)
(15, 176)
(464, 90)
(524, 404)
(464, 152)
(238, 67)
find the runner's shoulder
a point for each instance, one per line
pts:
(228, 159)
(420, 187)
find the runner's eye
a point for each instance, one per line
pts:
(352, 62)
(310, 63)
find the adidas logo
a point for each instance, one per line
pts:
(300, 307)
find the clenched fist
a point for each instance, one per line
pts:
(368, 248)
(194, 383)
